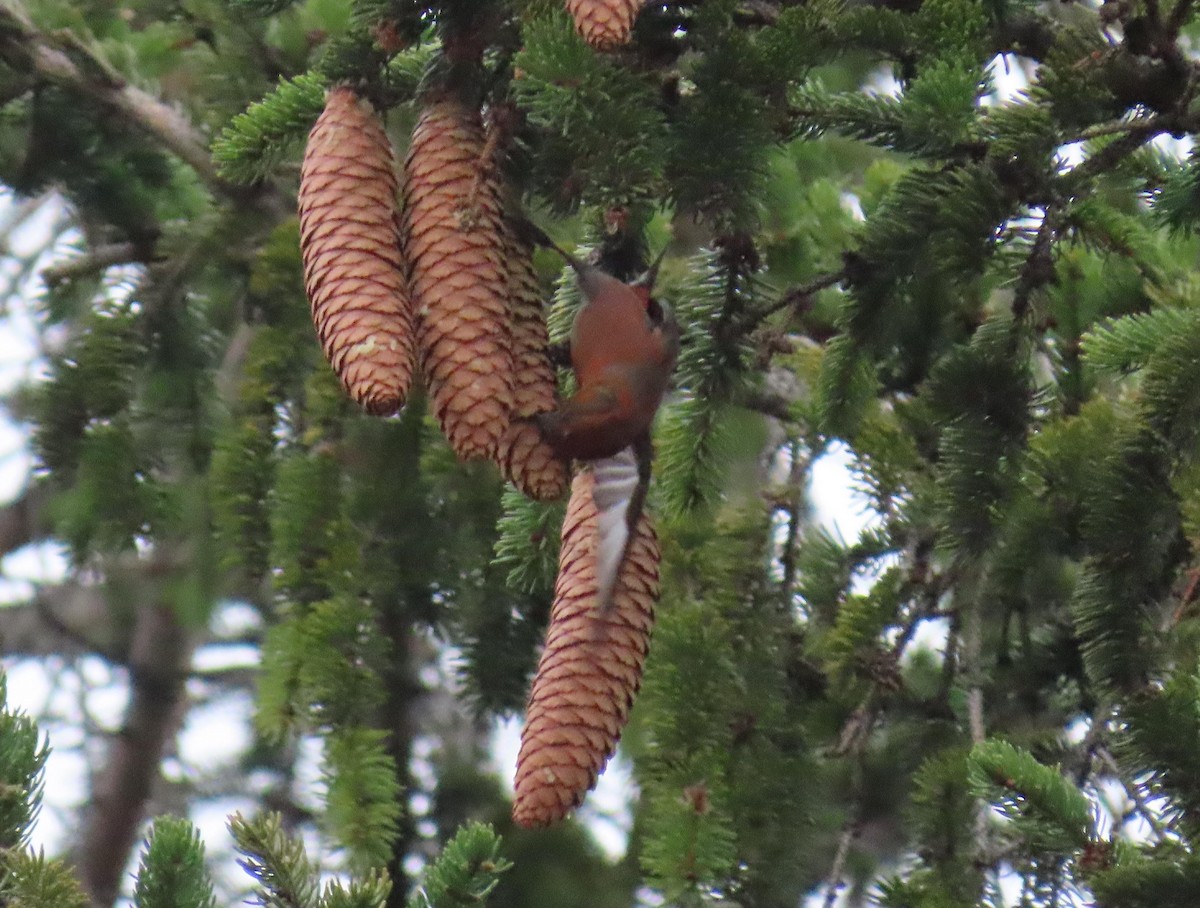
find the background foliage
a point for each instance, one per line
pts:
(948, 243)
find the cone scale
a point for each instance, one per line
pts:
(590, 669)
(525, 459)
(455, 249)
(349, 242)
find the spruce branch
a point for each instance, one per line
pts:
(371, 891)
(1147, 880)
(1115, 128)
(465, 873)
(527, 541)
(757, 12)
(1038, 269)
(23, 755)
(34, 881)
(712, 371)
(363, 795)
(1048, 805)
(172, 872)
(286, 877)
(1077, 180)
(856, 730)
(1130, 342)
(77, 69)
(255, 141)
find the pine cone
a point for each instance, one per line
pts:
(605, 24)
(526, 460)
(349, 240)
(590, 669)
(455, 250)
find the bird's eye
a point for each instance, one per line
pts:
(654, 311)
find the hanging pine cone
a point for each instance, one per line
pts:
(605, 24)
(526, 460)
(590, 669)
(349, 241)
(454, 245)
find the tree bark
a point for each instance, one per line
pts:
(403, 690)
(22, 520)
(160, 653)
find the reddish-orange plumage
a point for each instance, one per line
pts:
(623, 348)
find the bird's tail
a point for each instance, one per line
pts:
(619, 493)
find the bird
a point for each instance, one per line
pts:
(623, 346)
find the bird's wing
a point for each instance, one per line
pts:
(615, 491)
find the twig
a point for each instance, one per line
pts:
(950, 657)
(1138, 134)
(797, 470)
(799, 296)
(852, 739)
(1091, 742)
(856, 731)
(1185, 598)
(1134, 795)
(495, 146)
(1038, 269)
(1112, 128)
(96, 260)
(1179, 15)
(834, 883)
(774, 405)
(971, 649)
(972, 644)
